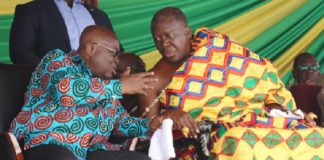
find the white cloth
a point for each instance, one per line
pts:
(289, 114)
(161, 146)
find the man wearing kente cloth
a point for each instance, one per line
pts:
(211, 84)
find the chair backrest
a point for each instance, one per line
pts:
(13, 84)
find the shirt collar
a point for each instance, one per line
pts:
(75, 1)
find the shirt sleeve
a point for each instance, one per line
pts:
(72, 90)
(128, 126)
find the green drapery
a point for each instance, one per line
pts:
(131, 21)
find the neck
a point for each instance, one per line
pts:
(69, 2)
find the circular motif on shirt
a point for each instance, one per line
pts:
(103, 126)
(111, 112)
(71, 138)
(50, 107)
(43, 122)
(39, 139)
(61, 129)
(58, 137)
(81, 111)
(30, 127)
(57, 76)
(23, 117)
(91, 123)
(85, 140)
(54, 66)
(96, 86)
(38, 72)
(77, 126)
(80, 88)
(117, 88)
(67, 101)
(64, 85)
(52, 92)
(126, 123)
(133, 131)
(44, 81)
(52, 55)
(63, 115)
(80, 152)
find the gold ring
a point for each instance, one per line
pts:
(185, 131)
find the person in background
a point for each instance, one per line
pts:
(129, 63)
(43, 25)
(72, 104)
(306, 72)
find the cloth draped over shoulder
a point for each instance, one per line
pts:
(228, 84)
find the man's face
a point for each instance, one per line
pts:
(172, 39)
(307, 71)
(104, 62)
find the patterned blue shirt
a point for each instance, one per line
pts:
(65, 105)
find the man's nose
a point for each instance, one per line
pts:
(165, 41)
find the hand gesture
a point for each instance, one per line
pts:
(137, 83)
(182, 121)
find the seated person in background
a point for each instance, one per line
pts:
(215, 88)
(131, 63)
(306, 71)
(72, 102)
(44, 25)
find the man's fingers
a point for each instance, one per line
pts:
(191, 128)
(149, 80)
(145, 74)
(195, 125)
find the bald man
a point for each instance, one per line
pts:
(72, 102)
(209, 84)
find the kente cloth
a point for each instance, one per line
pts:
(65, 105)
(228, 84)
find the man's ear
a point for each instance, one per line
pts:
(188, 32)
(91, 49)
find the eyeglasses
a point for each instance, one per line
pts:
(305, 68)
(112, 51)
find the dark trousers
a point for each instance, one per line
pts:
(55, 152)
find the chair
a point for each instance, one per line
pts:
(13, 84)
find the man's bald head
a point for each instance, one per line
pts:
(96, 34)
(98, 48)
(168, 13)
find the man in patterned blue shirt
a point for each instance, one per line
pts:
(72, 102)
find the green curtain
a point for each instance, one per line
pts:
(276, 40)
(132, 21)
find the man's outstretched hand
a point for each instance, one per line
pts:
(137, 83)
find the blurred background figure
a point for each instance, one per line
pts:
(136, 65)
(43, 25)
(307, 90)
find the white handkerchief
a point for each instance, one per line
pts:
(289, 114)
(161, 146)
